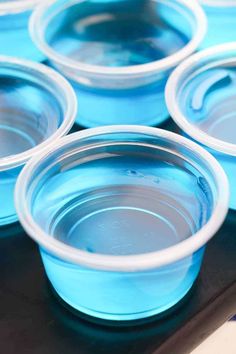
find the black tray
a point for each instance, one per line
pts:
(34, 321)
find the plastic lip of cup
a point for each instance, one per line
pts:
(66, 265)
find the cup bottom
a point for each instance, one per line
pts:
(118, 296)
(124, 317)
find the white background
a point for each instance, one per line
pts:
(223, 341)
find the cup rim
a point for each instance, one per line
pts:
(12, 7)
(133, 262)
(181, 119)
(69, 116)
(219, 3)
(148, 68)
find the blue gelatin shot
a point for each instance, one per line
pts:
(201, 97)
(122, 216)
(118, 54)
(221, 15)
(15, 39)
(34, 112)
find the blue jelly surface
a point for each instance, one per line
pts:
(29, 114)
(122, 203)
(209, 102)
(109, 36)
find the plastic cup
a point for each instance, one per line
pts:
(221, 16)
(200, 96)
(37, 106)
(14, 34)
(118, 54)
(122, 216)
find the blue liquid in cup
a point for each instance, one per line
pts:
(209, 102)
(114, 39)
(25, 108)
(221, 25)
(122, 202)
(119, 34)
(122, 296)
(131, 106)
(15, 39)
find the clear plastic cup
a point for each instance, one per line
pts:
(122, 216)
(37, 106)
(201, 98)
(14, 34)
(118, 54)
(221, 15)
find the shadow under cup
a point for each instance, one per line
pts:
(33, 113)
(122, 216)
(118, 54)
